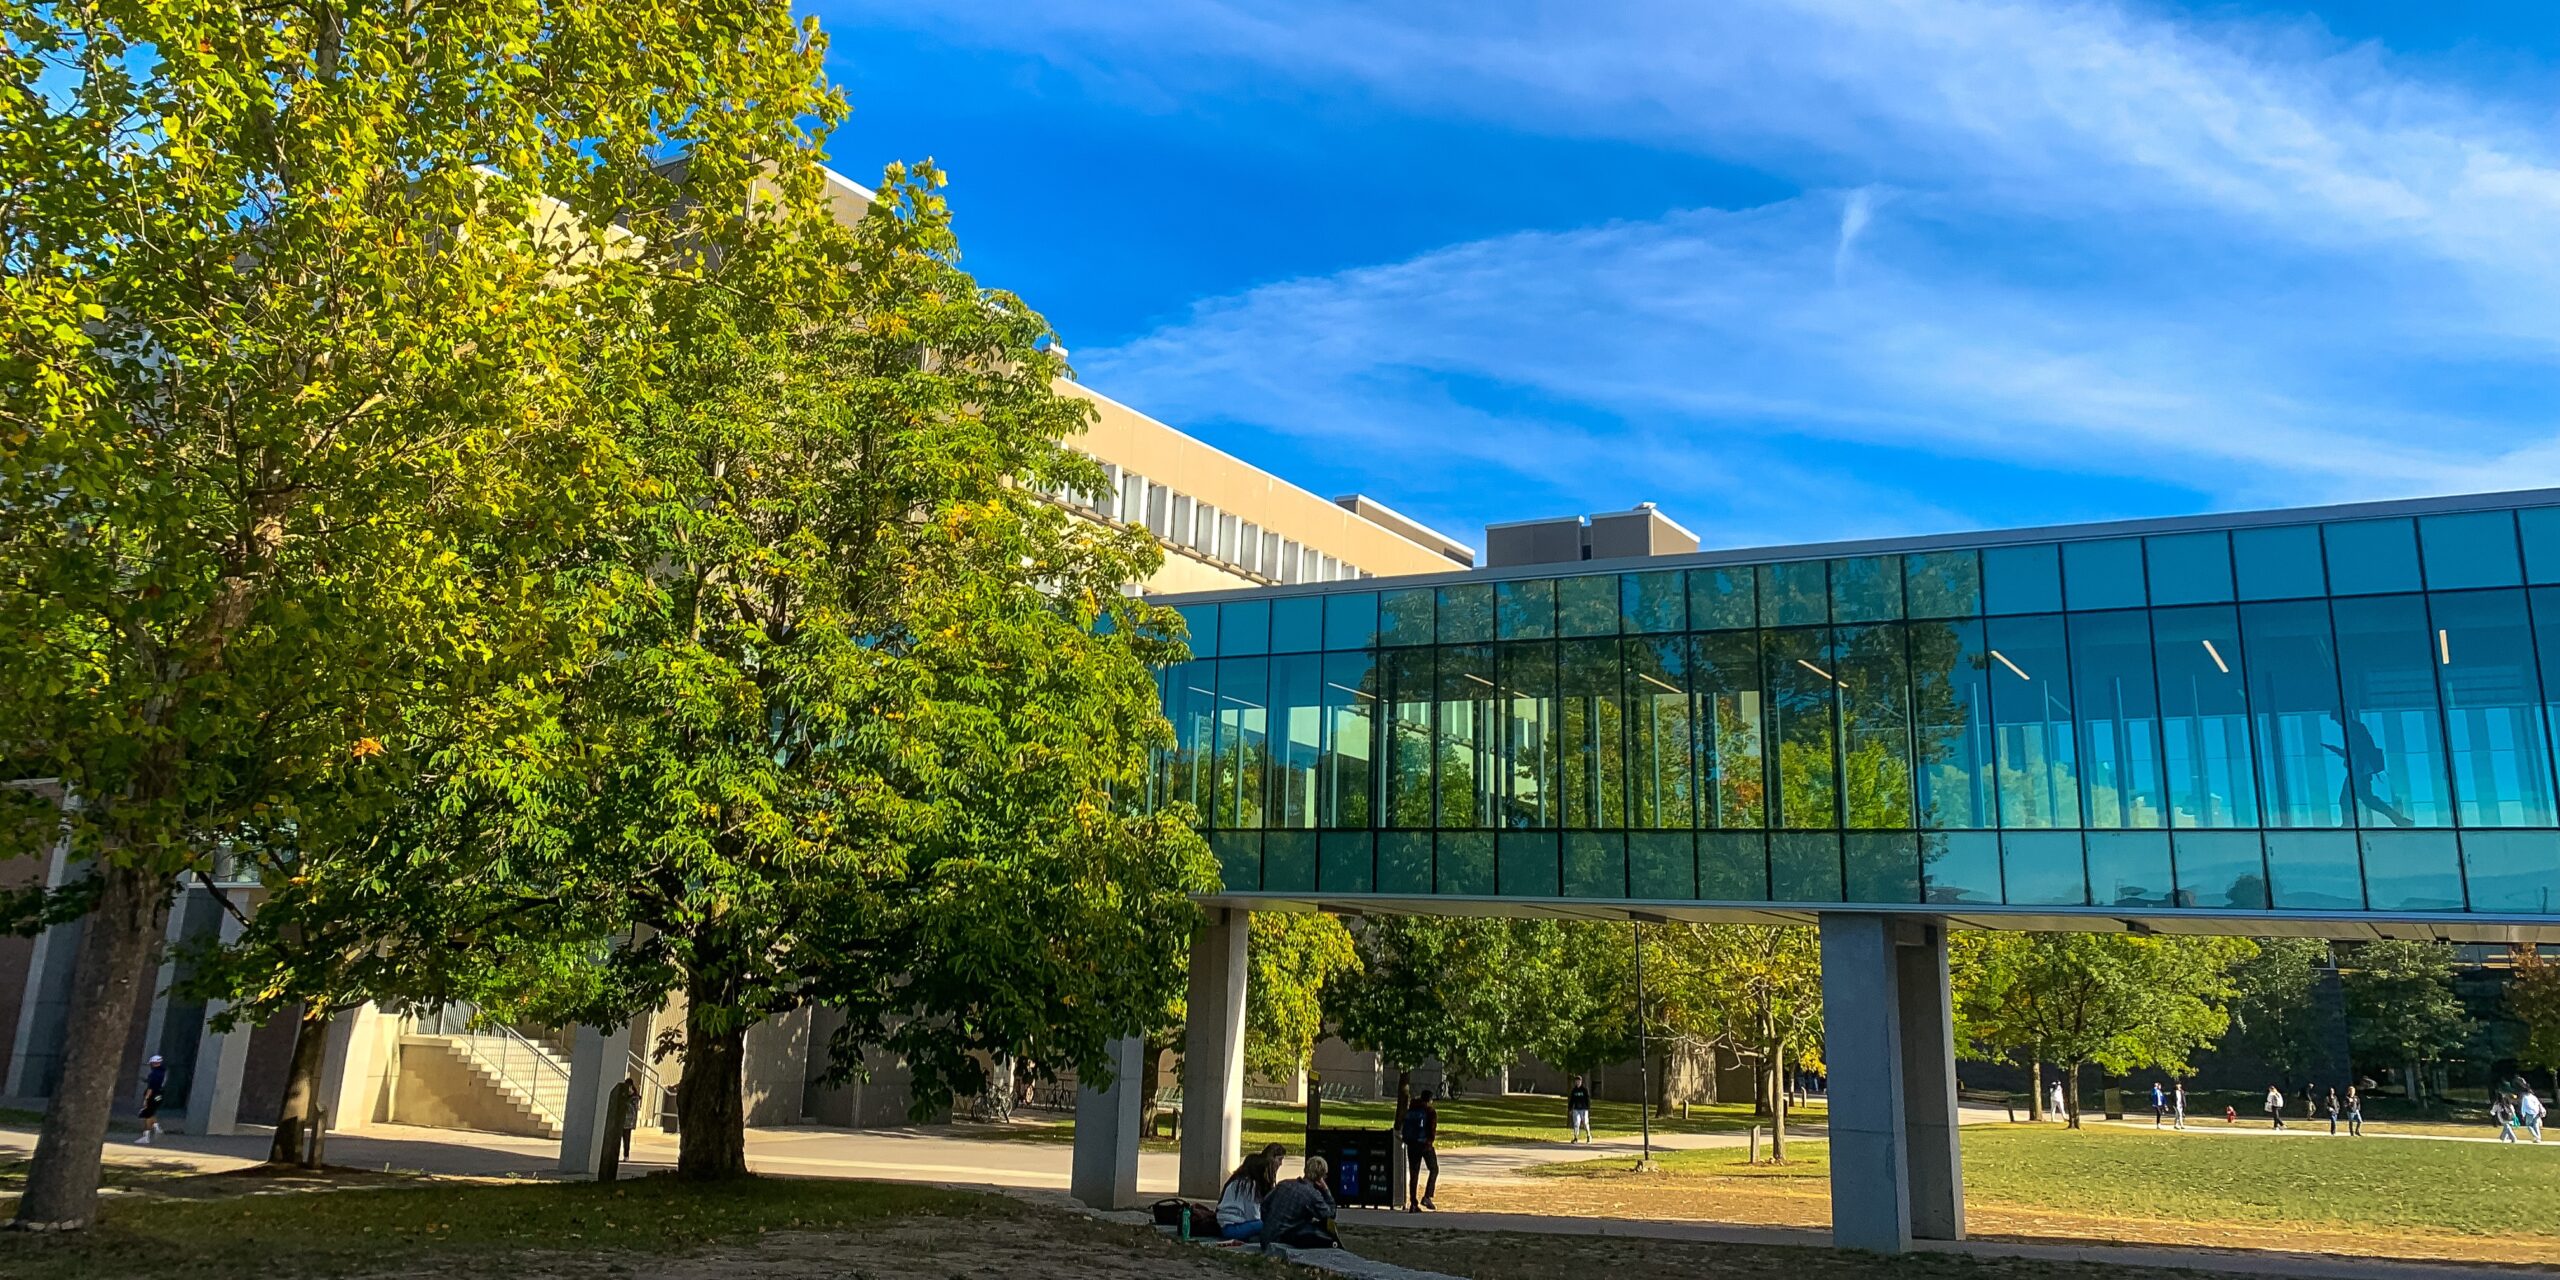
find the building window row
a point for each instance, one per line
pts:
(1179, 520)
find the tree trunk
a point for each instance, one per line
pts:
(118, 942)
(2071, 1093)
(1778, 1105)
(2035, 1090)
(1404, 1093)
(301, 1085)
(2409, 1081)
(711, 1104)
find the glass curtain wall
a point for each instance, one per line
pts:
(2313, 718)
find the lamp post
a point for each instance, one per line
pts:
(1644, 1058)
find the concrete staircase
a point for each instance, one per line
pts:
(482, 1081)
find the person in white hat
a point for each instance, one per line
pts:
(155, 1082)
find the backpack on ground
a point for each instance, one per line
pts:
(1204, 1217)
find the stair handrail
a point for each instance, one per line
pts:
(651, 1104)
(510, 1042)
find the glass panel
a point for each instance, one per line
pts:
(1297, 624)
(1804, 866)
(2279, 564)
(1528, 864)
(2189, 568)
(1951, 697)
(1661, 752)
(1722, 598)
(1244, 695)
(1733, 866)
(1408, 700)
(2130, 869)
(1803, 727)
(1794, 594)
(1943, 584)
(1875, 722)
(1733, 782)
(2022, 579)
(1405, 617)
(2220, 870)
(1592, 727)
(1587, 606)
(1351, 621)
(1200, 628)
(1349, 865)
(2474, 549)
(2513, 870)
(1244, 628)
(2119, 721)
(1866, 589)
(1466, 864)
(1347, 775)
(2293, 704)
(1289, 862)
(1239, 855)
(2043, 869)
(2393, 735)
(1662, 866)
(2103, 575)
(2031, 711)
(2540, 527)
(1883, 866)
(2371, 557)
(1651, 602)
(1525, 610)
(1191, 703)
(1961, 866)
(1297, 738)
(2204, 718)
(1529, 743)
(1404, 861)
(1466, 613)
(2412, 871)
(2315, 871)
(1470, 777)
(1595, 865)
(2497, 741)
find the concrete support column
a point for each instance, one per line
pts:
(598, 1060)
(1889, 1045)
(222, 1059)
(1213, 1054)
(1105, 1173)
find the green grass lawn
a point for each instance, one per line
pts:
(1464, 1122)
(2462, 1188)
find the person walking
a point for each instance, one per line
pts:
(155, 1086)
(2178, 1105)
(2159, 1104)
(2355, 1113)
(1421, 1150)
(2275, 1107)
(2332, 1106)
(2053, 1101)
(2503, 1114)
(2529, 1109)
(1577, 1111)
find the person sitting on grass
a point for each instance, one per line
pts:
(1299, 1213)
(1240, 1201)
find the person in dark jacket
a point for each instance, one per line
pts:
(1421, 1132)
(1299, 1212)
(155, 1088)
(1577, 1110)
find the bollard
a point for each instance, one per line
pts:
(1755, 1144)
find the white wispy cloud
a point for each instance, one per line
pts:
(2079, 238)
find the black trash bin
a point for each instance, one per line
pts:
(1361, 1164)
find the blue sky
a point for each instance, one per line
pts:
(1794, 269)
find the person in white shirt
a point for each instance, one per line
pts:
(2275, 1106)
(1240, 1201)
(2529, 1109)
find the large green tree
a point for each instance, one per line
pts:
(298, 332)
(2401, 1007)
(1756, 989)
(1293, 956)
(1462, 991)
(873, 731)
(2120, 1001)
(2275, 1007)
(2533, 996)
